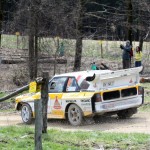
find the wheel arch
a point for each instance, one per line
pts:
(18, 106)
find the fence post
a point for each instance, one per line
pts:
(44, 97)
(38, 124)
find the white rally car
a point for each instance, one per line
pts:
(77, 95)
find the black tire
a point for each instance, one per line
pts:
(127, 113)
(26, 114)
(75, 115)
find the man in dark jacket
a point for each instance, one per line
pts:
(126, 55)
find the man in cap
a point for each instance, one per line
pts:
(126, 54)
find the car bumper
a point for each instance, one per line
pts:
(102, 107)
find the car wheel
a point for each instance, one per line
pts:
(75, 115)
(124, 114)
(26, 114)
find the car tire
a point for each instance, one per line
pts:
(75, 115)
(124, 114)
(26, 114)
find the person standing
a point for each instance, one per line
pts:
(126, 55)
(94, 66)
(61, 49)
(138, 57)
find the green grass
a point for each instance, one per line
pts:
(146, 86)
(146, 106)
(10, 41)
(16, 138)
(2, 94)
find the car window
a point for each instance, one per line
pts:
(84, 85)
(72, 85)
(57, 85)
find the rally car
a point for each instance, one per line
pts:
(77, 95)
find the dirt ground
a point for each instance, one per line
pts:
(139, 123)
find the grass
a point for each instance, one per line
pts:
(2, 94)
(146, 106)
(146, 86)
(16, 138)
(10, 41)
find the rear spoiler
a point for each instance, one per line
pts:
(121, 73)
(115, 74)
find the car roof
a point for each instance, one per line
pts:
(84, 73)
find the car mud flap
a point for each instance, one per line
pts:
(142, 95)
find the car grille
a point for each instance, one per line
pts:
(117, 94)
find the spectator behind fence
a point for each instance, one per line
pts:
(94, 66)
(126, 55)
(138, 57)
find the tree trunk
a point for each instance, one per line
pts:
(36, 55)
(141, 43)
(141, 33)
(1, 19)
(129, 20)
(78, 55)
(79, 36)
(33, 39)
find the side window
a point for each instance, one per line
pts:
(72, 85)
(84, 85)
(57, 85)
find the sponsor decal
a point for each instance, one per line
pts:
(107, 84)
(131, 81)
(95, 85)
(57, 104)
(86, 104)
(70, 101)
(86, 100)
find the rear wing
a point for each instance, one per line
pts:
(119, 78)
(120, 73)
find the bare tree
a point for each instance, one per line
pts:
(1, 18)
(129, 20)
(144, 22)
(79, 34)
(33, 38)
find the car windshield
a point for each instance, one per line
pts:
(57, 85)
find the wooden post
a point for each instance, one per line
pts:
(44, 97)
(101, 50)
(38, 124)
(17, 35)
(17, 41)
